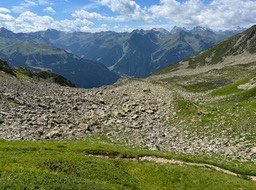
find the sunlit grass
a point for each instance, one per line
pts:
(68, 165)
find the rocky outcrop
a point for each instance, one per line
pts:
(247, 86)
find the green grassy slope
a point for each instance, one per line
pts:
(240, 43)
(66, 165)
(25, 74)
(233, 46)
(212, 104)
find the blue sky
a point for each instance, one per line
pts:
(124, 15)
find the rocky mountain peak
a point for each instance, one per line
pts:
(200, 30)
(5, 32)
(51, 34)
(247, 41)
(161, 30)
(237, 28)
(177, 29)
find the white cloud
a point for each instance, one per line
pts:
(24, 6)
(6, 18)
(103, 27)
(71, 25)
(44, 2)
(31, 22)
(19, 9)
(4, 10)
(90, 6)
(28, 3)
(129, 10)
(82, 14)
(49, 10)
(123, 28)
(218, 14)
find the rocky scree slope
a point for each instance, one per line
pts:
(134, 112)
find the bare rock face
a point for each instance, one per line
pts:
(135, 112)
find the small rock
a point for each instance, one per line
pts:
(52, 111)
(21, 102)
(84, 126)
(200, 113)
(135, 126)
(119, 114)
(127, 110)
(149, 111)
(75, 108)
(135, 117)
(1, 120)
(102, 101)
(147, 90)
(253, 150)
(53, 134)
(42, 105)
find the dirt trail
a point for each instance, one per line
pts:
(167, 161)
(178, 162)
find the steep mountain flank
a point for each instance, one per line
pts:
(136, 59)
(241, 45)
(6, 69)
(22, 73)
(237, 50)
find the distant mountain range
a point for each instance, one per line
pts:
(24, 50)
(95, 59)
(138, 53)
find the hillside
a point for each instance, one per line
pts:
(239, 49)
(100, 138)
(22, 50)
(189, 125)
(179, 109)
(215, 91)
(137, 53)
(42, 76)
